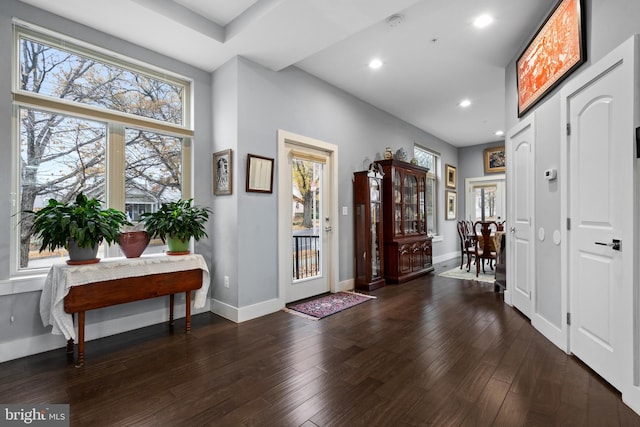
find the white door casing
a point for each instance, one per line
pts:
(520, 215)
(598, 149)
(471, 184)
(288, 144)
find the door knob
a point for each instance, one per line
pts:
(512, 229)
(615, 244)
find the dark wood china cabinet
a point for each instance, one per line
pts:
(407, 247)
(367, 206)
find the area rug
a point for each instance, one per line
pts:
(457, 273)
(326, 305)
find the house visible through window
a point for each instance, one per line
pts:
(88, 122)
(429, 160)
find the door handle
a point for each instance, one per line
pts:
(512, 229)
(615, 244)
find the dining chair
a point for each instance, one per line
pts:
(485, 248)
(468, 244)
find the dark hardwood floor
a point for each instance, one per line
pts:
(434, 351)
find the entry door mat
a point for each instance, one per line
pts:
(458, 273)
(321, 307)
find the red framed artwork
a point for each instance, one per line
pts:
(556, 50)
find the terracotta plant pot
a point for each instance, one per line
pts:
(133, 243)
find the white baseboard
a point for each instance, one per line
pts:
(346, 285)
(549, 331)
(631, 398)
(243, 314)
(446, 257)
(28, 346)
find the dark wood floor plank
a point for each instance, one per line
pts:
(431, 352)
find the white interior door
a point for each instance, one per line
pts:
(520, 250)
(307, 217)
(599, 111)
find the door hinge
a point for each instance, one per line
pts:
(569, 319)
(568, 223)
(568, 129)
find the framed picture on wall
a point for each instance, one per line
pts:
(222, 176)
(451, 205)
(259, 174)
(494, 160)
(556, 50)
(451, 176)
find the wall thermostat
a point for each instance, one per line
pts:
(550, 174)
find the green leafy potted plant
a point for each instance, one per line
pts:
(79, 227)
(175, 223)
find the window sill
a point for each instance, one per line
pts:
(21, 285)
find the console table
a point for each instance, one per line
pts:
(75, 289)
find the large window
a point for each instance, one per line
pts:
(429, 160)
(85, 121)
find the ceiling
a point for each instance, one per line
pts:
(433, 56)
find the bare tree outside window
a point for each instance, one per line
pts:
(61, 155)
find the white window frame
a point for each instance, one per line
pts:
(116, 123)
(433, 175)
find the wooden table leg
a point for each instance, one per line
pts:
(188, 312)
(171, 299)
(70, 340)
(80, 339)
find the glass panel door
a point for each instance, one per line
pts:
(307, 215)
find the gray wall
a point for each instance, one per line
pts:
(609, 23)
(297, 102)
(24, 306)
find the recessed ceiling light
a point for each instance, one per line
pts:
(464, 103)
(375, 64)
(483, 20)
(499, 133)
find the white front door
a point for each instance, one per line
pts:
(520, 249)
(307, 217)
(598, 108)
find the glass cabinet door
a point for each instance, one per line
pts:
(376, 229)
(410, 204)
(422, 206)
(397, 194)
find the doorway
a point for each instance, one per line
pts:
(485, 198)
(307, 217)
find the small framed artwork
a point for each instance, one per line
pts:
(554, 52)
(222, 173)
(494, 160)
(451, 205)
(451, 176)
(259, 174)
